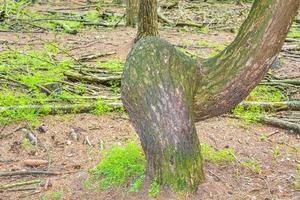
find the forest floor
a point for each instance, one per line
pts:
(266, 157)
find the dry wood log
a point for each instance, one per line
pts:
(29, 173)
(291, 40)
(284, 105)
(286, 81)
(94, 56)
(90, 78)
(21, 189)
(281, 123)
(35, 162)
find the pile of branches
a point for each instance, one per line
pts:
(20, 18)
(226, 17)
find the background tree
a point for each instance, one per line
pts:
(132, 7)
(165, 91)
(147, 20)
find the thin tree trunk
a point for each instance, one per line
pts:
(164, 91)
(147, 20)
(132, 12)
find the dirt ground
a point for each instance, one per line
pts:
(276, 150)
(225, 181)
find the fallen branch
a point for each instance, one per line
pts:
(3, 187)
(287, 81)
(91, 78)
(94, 56)
(29, 173)
(62, 109)
(284, 105)
(281, 123)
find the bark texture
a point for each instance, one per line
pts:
(147, 20)
(132, 7)
(231, 75)
(164, 91)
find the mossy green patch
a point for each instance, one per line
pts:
(217, 156)
(55, 195)
(24, 75)
(251, 113)
(112, 65)
(296, 183)
(118, 166)
(294, 33)
(154, 189)
(253, 165)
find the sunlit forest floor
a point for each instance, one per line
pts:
(60, 70)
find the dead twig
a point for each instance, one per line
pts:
(29, 173)
(12, 185)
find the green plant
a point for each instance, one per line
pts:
(154, 188)
(266, 93)
(26, 144)
(251, 113)
(56, 195)
(204, 29)
(136, 185)
(112, 65)
(25, 72)
(100, 107)
(263, 137)
(276, 151)
(294, 33)
(119, 165)
(296, 183)
(213, 45)
(253, 165)
(217, 156)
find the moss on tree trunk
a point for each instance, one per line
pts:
(164, 91)
(158, 95)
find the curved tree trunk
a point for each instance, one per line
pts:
(164, 91)
(147, 19)
(132, 12)
(231, 75)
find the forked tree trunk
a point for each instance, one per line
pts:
(132, 7)
(164, 91)
(147, 19)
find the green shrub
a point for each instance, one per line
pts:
(154, 188)
(118, 166)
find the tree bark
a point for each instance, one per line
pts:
(147, 19)
(165, 91)
(132, 12)
(230, 76)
